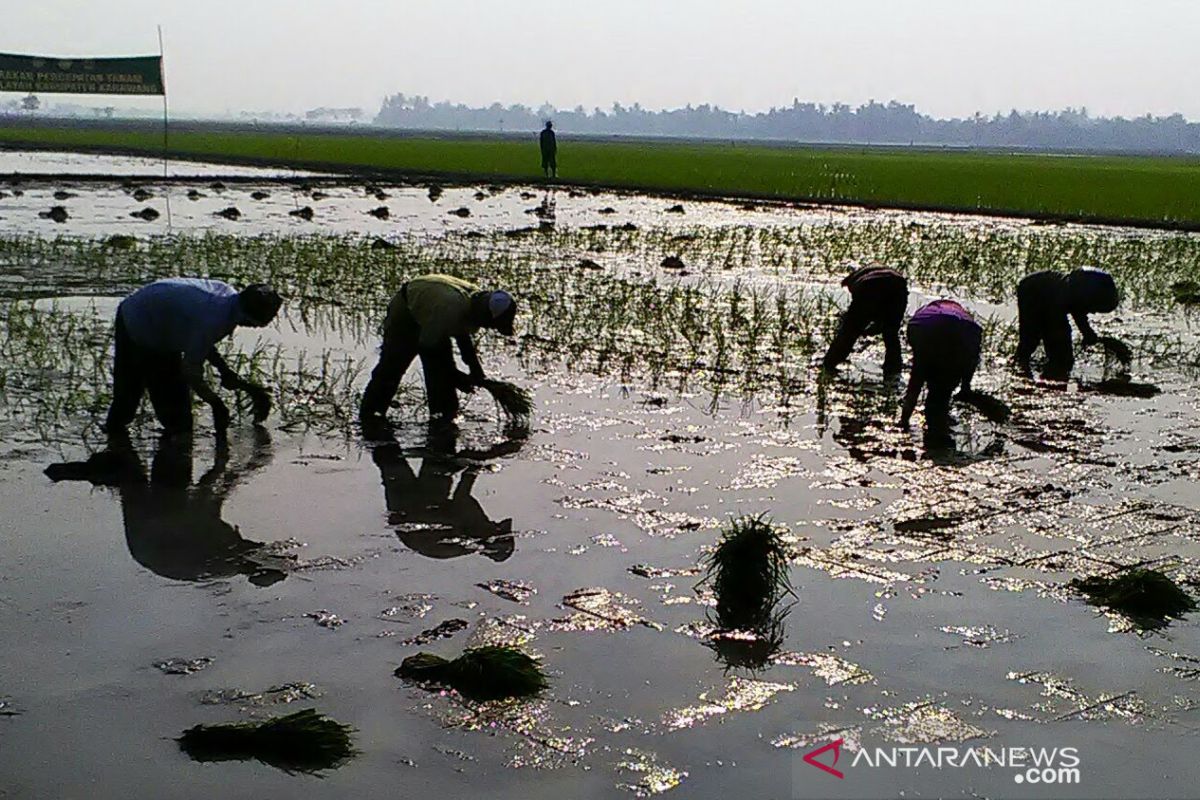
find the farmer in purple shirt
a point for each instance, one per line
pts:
(878, 299)
(945, 341)
(165, 331)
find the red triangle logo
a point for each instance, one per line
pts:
(836, 747)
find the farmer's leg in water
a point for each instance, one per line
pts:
(937, 406)
(1060, 354)
(129, 380)
(442, 380)
(890, 320)
(400, 337)
(170, 393)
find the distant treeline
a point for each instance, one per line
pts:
(872, 123)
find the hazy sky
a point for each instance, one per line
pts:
(949, 57)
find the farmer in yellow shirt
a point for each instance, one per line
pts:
(422, 318)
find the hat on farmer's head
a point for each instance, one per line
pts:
(1093, 289)
(260, 303)
(503, 309)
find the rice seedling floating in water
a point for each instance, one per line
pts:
(1147, 597)
(302, 742)
(515, 401)
(481, 673)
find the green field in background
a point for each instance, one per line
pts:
(1146, 190)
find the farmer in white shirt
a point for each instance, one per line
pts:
(165, 331)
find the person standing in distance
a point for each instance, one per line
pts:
(549, 146)
(165, 331)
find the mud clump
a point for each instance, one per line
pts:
(461, 212)
(675, 209)
(607, 210)
(305, 213)
(194, 194)
(587, 263)
(148, 214)
(57, 213)
(305, 742)
(381, 212)
(259, 195)
(672, 262)
(481, 673)
(435, 192)
(121, 241)
(229, 213)
(217, 186)
(1116, 387)
(141, 195)
(63, 195)
(1147, 597)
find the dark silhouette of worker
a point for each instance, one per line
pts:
(172, 527)
(945, 341)
(165, 331)
(434, 516)
(549, 144)
(1045, 300)
(425, 315)
(878, 300)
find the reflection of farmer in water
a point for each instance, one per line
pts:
(165, 331)
(425, 315)
(549, 145)
(173, 528)
(437, 518)
(878, 300)
(1044, 302)
(945, 341)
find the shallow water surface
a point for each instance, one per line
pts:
(298, 569)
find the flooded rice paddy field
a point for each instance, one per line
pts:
(305, 562)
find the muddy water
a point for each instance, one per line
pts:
(296, 571)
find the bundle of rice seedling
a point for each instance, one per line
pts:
(481, 673)
(1148, 597)
(748, 572)
(994, 409)
(302, 742)
(515, 401)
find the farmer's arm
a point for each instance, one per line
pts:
(1088, 335)
(915, 381)
(194, 372)
(466, 348)
(231, 380)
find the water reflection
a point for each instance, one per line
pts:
(175, 528)
(866, 413)
(433, 515)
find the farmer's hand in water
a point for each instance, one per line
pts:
(1117, 348)
(261, 401)
(467, 383)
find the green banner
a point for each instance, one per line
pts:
(46, 75)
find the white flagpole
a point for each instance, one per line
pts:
(162, 73)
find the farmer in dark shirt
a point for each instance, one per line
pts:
(1044, 302)
(878, 300)
(549, 151)
(945, 341)
(165, 331)
(425, 315)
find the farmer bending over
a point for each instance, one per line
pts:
(1044, 301)
(422, 318)
(165, 331)
(878, 300)
(945, 341)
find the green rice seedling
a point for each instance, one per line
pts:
(481, 673)
(748, 573)
(305, 742)
(516, 402)
(1149, 598)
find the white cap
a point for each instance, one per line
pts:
(499, 303)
